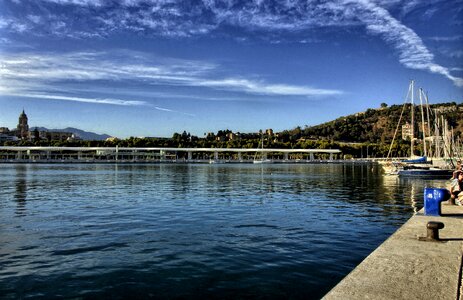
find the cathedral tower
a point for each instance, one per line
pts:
(22, 130)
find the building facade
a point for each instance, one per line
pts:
(22, 130)
(407, 133)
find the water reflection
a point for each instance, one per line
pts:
(171, 230)
(20, 194)
(411, 190)
(413, 201)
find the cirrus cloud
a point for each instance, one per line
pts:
(180, 19)
(28, 71)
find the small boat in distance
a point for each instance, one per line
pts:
(263, 159)
(217, 161)
(423, 172)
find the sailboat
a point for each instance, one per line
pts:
(263, 159)
(416, 166)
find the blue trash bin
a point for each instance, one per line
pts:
(433, 197)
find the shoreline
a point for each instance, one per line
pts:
(180, 161)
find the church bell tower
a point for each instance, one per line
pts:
(23, 128)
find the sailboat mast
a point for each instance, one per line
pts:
(437, 151)
(429, 122)
(422, 124)
(412, 120)
(445, 137)
(262, 136)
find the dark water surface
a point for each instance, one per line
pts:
(193, 231)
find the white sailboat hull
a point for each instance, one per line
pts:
(263, 161)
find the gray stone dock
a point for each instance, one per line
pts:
(405, 268)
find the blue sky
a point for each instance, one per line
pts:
(152, 68)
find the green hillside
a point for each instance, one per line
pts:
(378, 125)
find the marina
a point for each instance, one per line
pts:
(439, 143)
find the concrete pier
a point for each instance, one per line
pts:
(405, 268)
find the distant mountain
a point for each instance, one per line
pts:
(84, 135)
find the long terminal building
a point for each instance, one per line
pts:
(160, 154)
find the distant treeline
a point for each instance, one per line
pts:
(360, 135)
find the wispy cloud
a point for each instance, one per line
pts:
(105, 101)
(77, 2)
(177, 18)
(455, 54)
(412, 52)
(453, 38)
(267, 89)
(26, 70)
(172, 111)
(119, 102)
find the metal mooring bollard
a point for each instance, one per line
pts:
(432, 233)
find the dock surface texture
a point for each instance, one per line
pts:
(405, 268)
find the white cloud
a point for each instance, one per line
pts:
(267, 89)
(106, 101)
(172, 111)
(453, 38)
(35, 19)
(47, 70)
(412, 52)
(4, 23)
(79, 99)
(96, 3)
(5, 41)
(177, 18)
(16, 25)
(455, 54)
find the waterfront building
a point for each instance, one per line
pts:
(7, 137)
(56, 135)
(22, 130)
(112, 139)
(407, 131)
(160, 154)
(233, 136)
(4, 130)
(36, 135)
(445, 109)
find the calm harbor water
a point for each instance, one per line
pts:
(193, 231)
